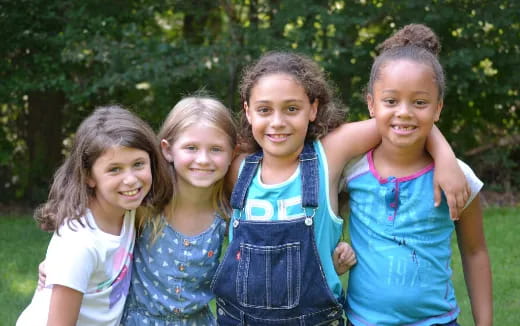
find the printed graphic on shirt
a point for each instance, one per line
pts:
(282, 209)
(121, 286)
(122, 261)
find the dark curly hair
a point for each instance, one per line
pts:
(331, 112)
(415, 42)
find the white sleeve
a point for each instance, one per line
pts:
(71, 259)
(354, 167)
(475, 184)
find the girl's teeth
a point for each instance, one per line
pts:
(403, 128)
(130, 193)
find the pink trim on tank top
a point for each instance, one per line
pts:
(370, 157)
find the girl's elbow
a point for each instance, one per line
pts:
(478, 254)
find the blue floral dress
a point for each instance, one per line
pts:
(171, 277)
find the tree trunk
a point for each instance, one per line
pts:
(44, 141)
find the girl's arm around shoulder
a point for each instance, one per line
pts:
(475, 262)
(347, 141)
(64, 306)
(448, 174)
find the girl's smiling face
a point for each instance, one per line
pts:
(121, 178)
(405, 103)
(201, 155)
(279, 112)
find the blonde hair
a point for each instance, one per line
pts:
(196, 110)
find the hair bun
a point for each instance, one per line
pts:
(414, 35)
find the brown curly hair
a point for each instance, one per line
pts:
(415, 42)
(331, 112)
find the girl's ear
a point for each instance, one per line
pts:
(247, 111)
(314, 109)
(91, 182)
(439, 110)
(166, 150)
(370, 104)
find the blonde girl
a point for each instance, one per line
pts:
(176, 253)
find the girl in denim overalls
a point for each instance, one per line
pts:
(278, 269)
(177, 252)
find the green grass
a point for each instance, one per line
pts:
(501, 228)
(23, 246)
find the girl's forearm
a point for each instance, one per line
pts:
(477, 274)
(448, 175)
(439, 148)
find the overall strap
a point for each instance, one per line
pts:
(310, 176)
(238, 196)
(308, 170)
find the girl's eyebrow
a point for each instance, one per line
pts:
(395, 91)
(114, 163)
(284, 101)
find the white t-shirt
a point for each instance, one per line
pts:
(90, 261)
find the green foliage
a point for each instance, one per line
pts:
(147, 54)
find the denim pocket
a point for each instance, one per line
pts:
(269, 277)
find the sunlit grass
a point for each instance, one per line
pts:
(501, 229)
(19, 284)
(23, 246)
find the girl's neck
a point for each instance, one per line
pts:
(192, 210)
(276, 170)
(390, 160)
(108, 220)
(189, 195)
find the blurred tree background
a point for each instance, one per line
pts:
(61, 59)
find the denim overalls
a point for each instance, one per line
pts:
(271, 273)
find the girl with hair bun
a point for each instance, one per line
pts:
(402, 241)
